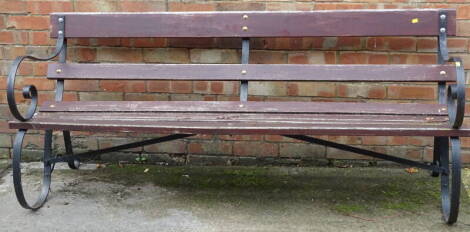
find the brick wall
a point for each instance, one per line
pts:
(24, 29)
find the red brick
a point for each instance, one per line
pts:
(353, 58)
(217, 87)
(2, 22)
(179, 6)
(422, 59)
(109, 42)
(40, 38)
(377, 59)
(86, 54)
(120, 55)
(39, 68)
(82, 85)
(463, 28)
(410, 140)
(181, 87)
(375, 43)
(316, 89)
(28, 22)
(398, 58)
(242, 137)
(96, 6)
(47, 7)
(401, 44)
(298, 58)
(457, 44)
(11, 52)
(374, 140)
(150, 42)
(70, 96)
(255, 149)
(13, 6)
(361, 90)
(348, 43)
(26, 69)
(339, 6)
(122, 86)
(411, 92)
(158, 86)
(244, 6)
(38, 82)
(426, 44)
(201, 86)
(3, 82)
(268, 57)
(463, 11)
(6, 37)
(141, 6)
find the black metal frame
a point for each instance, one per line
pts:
(453, 95)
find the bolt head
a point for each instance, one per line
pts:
(442, 30)
(58, 70)
(443, 17)
(443, 73)
(61, 20)
(60, 32)
(243, 72)
(245, 28)
(245, 16)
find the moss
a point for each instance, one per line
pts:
(353, 190)
(350, 208)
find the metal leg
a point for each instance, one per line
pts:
(441, 148)
(46, 182)
(73, 164)
(451, 182)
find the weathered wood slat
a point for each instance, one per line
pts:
(258, 24)
(246, 107)
(223, 123)
(253, 72)
(192, 116)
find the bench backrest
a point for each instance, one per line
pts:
(422, 22)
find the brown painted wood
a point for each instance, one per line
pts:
(397, 22)
(246, 107)
(253, 72)
(236, 123)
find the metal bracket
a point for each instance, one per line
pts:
(91, 154)
(443, 52)
(432, 167)
(244, 60)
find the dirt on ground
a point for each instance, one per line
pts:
(158, 198)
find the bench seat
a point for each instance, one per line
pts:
(233, 117)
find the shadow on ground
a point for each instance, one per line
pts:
(251, 199)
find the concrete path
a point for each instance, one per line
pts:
(155, 198)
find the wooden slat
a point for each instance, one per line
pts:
(259, 24)
(253, 72)
(246, 107)
(236, 123)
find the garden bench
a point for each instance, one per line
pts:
(298, 120)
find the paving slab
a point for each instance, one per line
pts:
(157, 198)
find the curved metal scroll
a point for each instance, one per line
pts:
(16, 166)
(29, 92)
(451, 182)
(456, 96)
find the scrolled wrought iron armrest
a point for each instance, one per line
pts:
(456, 96)
(29, 91)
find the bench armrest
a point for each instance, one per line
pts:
(29, 91)
(456, 96)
